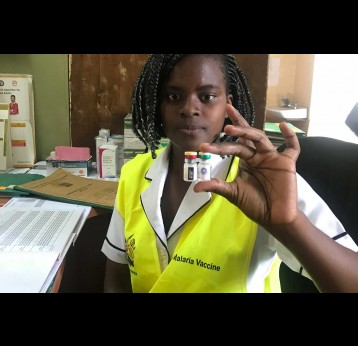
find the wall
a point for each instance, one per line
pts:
(101, 94)
(51, 96)
(285, 86)
(304, 79)
(291, 76)
(294, 79)
(334, 94)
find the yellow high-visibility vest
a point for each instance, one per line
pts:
(214, 250)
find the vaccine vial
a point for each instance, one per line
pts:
(190, 166)
(204, 166)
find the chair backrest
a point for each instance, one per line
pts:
(352, 119)
(330, 166)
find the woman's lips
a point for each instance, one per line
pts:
(190, 130)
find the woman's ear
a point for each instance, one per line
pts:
(229, 101)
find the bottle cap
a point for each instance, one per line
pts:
(204, 156)
(190, 154)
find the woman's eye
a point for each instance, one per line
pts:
(173, 97)
(208, 98)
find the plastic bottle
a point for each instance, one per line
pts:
(190, 166)
(204, 166)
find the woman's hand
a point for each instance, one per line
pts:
(265, 188)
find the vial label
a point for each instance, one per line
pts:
(190, 173)
(190, 166)
(204, 172)
(204, 166)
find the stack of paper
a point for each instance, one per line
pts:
(34, 241)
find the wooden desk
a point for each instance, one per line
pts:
(3, 200)
(97, 218)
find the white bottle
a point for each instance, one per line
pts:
(204, 166)
(190, 166)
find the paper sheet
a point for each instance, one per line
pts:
(33, 243)
(29, 202)
(26, 273)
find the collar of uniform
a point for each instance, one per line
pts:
(192, 201)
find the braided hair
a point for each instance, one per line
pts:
(146, 117)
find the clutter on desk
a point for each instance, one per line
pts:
(17, 92)
(109, 154)
(76, 160)
(64, 186)
(9, 181)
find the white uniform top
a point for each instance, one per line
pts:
(266, 246)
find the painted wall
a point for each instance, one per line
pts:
(294, 80)
(284, 86)
(51, 96)
(304, 80)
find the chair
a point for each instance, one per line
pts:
(352, 119)
(330, 166)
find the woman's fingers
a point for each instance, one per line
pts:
(217, 186)
(250, 141)
(293, 148)
(235, 116)
(256, 138)
(245, 152)
(237, 120)
(250, 136)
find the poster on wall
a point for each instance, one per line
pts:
(16, 90)
(5, 152)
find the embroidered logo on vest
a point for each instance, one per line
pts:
(130, 245)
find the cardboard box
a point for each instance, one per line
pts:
(79, 168)
(108, 160)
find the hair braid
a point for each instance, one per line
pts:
(146, 117)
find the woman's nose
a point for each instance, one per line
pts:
(191, 106)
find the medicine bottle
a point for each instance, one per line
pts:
(204, 166)
(190, 166)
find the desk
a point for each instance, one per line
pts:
(84, 257)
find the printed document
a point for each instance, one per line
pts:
(29, 202)
(33, 243)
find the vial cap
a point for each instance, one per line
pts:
(204, 156)
(190, 154)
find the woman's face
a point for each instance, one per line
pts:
(194, 102)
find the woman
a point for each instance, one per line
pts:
(170, 235)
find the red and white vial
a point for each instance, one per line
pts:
(190, 166)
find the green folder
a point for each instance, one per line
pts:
(273, 128)
(8, 181)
